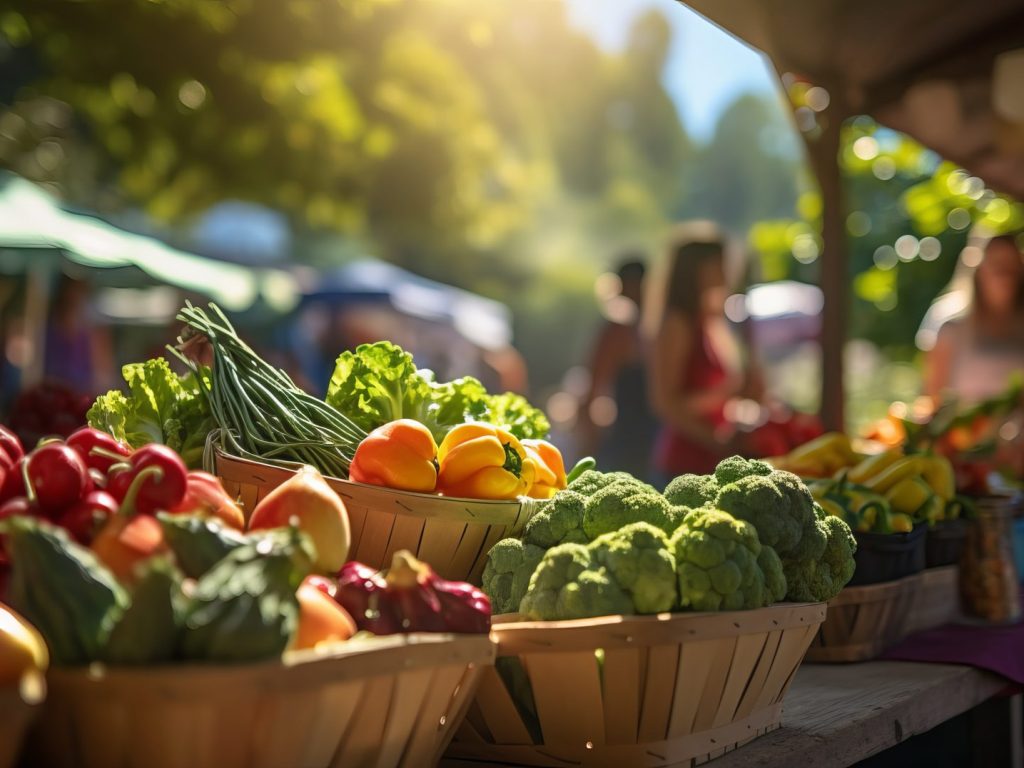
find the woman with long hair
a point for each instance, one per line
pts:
(977, 351)
(696, 364)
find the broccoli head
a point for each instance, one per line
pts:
(638, 558)
(559, 520)
(774, 575)
(717, 563)
(777, 504)
(821, 578)
(568, 584)
(510, 564)
(693, 491)
(623, 502)
(735, 467)
(592, 480)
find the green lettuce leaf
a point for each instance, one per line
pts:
(160, 407)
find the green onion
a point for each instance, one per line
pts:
(260, 411)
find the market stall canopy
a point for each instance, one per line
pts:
(33, 226)
(485, 322)
(948, 73)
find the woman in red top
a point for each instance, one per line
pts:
(696, 366)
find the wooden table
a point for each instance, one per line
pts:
(838, 714)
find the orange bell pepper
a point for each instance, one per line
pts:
(550, 477)
(401, 454)
(481, 461)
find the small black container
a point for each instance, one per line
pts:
(888, 556)
(944, 543)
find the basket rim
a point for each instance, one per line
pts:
(217, 452)
(515, 636)
(870, 593)
(357, 658)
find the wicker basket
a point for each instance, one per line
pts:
(452, 535)
(937, 600)
(673, 689)
(864, 621)
(19, 706)
(390, 701)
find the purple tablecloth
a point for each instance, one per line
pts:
(997, 649)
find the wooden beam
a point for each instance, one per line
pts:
(823, 151)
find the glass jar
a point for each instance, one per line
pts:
(988, 573)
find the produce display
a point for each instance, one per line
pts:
(887, 492)
(744, 537)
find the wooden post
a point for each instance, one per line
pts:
(37, 308)
(823, 151)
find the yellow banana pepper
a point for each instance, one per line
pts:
(872, 465)
(933, 511)
(481, 461)
(831, 443)
(832, 508)
(909, 495)
(550, 475)
(908, 466)
(22, 648)
(938, 472)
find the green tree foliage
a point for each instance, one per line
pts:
(908, 217)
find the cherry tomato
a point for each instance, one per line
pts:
(10, 444)
(57, 475)
(86, 439)
(13, 483)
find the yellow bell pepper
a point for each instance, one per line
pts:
(481, 461)
(938, 473)
(22, 648)
(550, 475)
(909, 495)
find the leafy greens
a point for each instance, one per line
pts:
(379, 383)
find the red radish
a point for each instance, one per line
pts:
(57, 476)
(98, 449)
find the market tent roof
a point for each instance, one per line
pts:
(924, 67)
(34, 224)
(485, 322)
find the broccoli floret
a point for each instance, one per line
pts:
(625, 502)
(510, 564)
(735, 467)
(693, 491)
(568, 584)
(717, 563)
(774, 575)
(821, 578)
(591, 481)
(778, 505)
(640, 561)
(559, 520)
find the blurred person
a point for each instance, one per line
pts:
(616, 422)
(978, 350)
(78, 350)
(696, 363)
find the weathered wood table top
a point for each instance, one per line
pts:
(837, 714)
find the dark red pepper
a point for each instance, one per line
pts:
(10, 445)
(98, 449)
(411, 598)
(56, 476)
(84, 519)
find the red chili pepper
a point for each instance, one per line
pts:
(84, 519)
(10, 444)
(162, 490)
(56, 476)
(98, 449)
